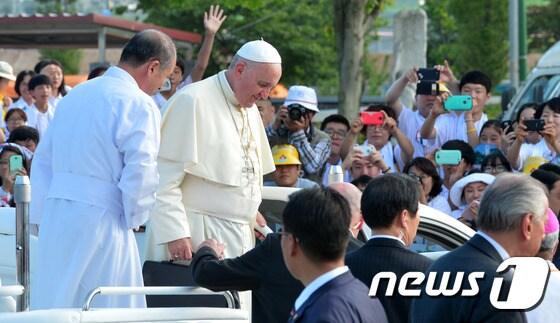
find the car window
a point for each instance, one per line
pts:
(541, 89)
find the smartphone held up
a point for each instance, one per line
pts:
(15, 163)
(372, 118)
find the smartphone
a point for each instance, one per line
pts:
(448, 157)
(374, 118)
(458, 103)
(427, 88)
(366, 150)
(16, 163)
(428, 74)
(534, 125)
(166, 86)
(507, 124)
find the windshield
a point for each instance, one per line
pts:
(541, 89)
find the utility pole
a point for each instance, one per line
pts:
(514, 43)
(522, 40)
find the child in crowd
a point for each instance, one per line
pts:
(40, 87)
(466, 195)
(466, 125)
(379, 136)
(524, 147)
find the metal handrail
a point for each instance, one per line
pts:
(13, 290)
(155, 290)
(22, 198)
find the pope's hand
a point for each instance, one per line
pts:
(180, 249)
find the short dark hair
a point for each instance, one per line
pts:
(476, 77)
(550, 167)
(387, 196)
(181, 64)
(427, 167)
(546, 177)
(337, 118)
(98, 71)
(146, 45)
(24, 133)
(21, 75)
(467, 153)
(496, 124)
(319, 219)
(530, 105)
(363, 180)
(46, 62)
(39, 80)
(19, 111)
(553, 104)
(490, 160)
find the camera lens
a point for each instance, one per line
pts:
(296, 111)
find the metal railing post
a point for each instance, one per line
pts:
(22, 198)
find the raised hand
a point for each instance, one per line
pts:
(213, 19)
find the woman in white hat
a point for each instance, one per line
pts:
(466, 194)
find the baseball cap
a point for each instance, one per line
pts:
(6, 71)
(303, 95)
(285, 155)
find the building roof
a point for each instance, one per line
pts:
(79, 31)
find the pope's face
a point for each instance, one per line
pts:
(255, 81)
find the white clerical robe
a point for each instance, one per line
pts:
(211, 161)
(94, 178)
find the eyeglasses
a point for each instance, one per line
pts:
(338, 133)
(417, 177)
(495, 169)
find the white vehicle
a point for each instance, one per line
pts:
(542, 84)
(437, 233)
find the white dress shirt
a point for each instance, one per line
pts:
(317, 283)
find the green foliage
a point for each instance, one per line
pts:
(470, 34)
(302, 31)
(543, 26)
(69, 58)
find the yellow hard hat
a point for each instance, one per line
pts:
(285, 155)
(532, 163)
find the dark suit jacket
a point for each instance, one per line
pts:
(261, 270)
(342, 299)
(384, 254)
(475, 255)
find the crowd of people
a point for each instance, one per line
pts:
(143, 141)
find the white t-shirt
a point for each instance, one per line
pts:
(440, 203)
(451, 126)
(410, 123)
(388, 153)
(40, 120)
(540, 149)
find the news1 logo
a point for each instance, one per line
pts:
(528, 283)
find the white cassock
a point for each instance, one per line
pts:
(212, 158)
(94, 178)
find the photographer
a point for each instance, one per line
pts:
(293, 125)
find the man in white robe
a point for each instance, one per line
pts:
(214, 152)
(94, 178)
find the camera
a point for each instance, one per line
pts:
(296, 111)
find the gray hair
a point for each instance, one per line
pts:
(146, 45)
(508, 199)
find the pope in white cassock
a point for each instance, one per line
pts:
(214, 152)
(94, 178)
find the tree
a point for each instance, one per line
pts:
(470, 34)
(543, 26)
(352, 22)
(70, 58)
(301, 31)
